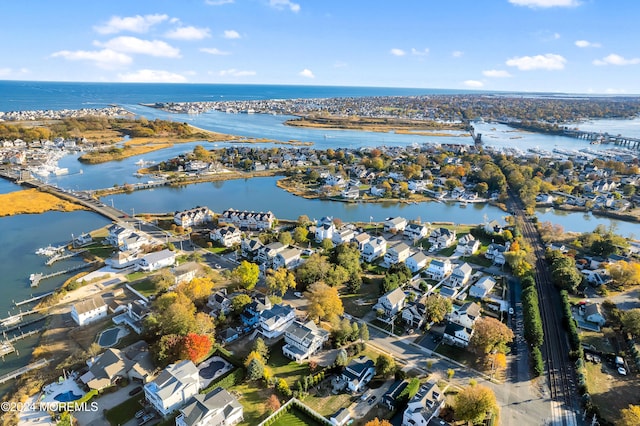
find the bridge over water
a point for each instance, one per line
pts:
(604, 138)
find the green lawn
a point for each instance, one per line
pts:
(295, 417)
(283, 367)
(100, 250)
(136, 276)
(124, 412)
(478, 260)
(252, 398)
(447, 251)
(328, 405)
(145, 287)
(360, 304)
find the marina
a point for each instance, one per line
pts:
(36, 278)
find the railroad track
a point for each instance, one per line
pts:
(560, 372)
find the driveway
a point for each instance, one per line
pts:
(106, 402)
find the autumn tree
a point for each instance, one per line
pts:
(364, 332)
(631, 321)
(630, 416)
(247, 275)
(162, 280)
(261, 348)
(279, 281)
(300, 234)
(198, 290)
(377, 422)
(436, 308)
(273, 403)
(473, 403)
(490, 335)
(385, 365)
(624, 273)
(285, 238)
(239, 302)
(195, 346)
(324, 302)
(313, 270)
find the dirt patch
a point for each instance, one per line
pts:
(610, 391)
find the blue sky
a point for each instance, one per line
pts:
(576, 46)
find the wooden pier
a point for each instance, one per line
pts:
(20, 371)
(56, 257)
(36, 278)
(33, 299)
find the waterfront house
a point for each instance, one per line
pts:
(466, 315)
(415, 231)
(358, 373)
(467, 245)
(439, 269)
(373, 249)
(193, 217)
(88, 311)
(460, 275)
(417, 262)
(133, 363)
(493, 227)
(157, 260)
(288, 258)
(390, 304)
(397, 254)
(303, 340)
(216, 408)
(344, 235)
(246, 220)
(134, 242)
(173, 387)
(350, 193)
(424, 406)
(324, 229)
(361, 239)
(395, 224)
(457, 335)
(117, 234)
(482, 288)
(442, 237)
(227, 236)
(274, 321)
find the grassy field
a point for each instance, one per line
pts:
(252, 398)
(610, 391)
(284, 368)
(597, 340)
(359, 304)
(295, 417)
(124, 412)
(328, 405)
(32, 201)
(145, 287)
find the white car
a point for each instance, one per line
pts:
(622, 371)
(298, 294)
(511, 311)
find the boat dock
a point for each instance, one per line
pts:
(36, 278)
(6, 346)
(33, 299)
(53, 259)
(20, 371)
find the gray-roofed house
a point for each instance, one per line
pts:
(133, 362)
(457, 335)
(156, 260)
(482, 288)
(88, 311)
(303, 340)
(185, 272)
(413, 314)
(592, 313)
(466, 315)
(417, 262)
(216, 408)
(173, 387)
(358, 373)
(274, 321)
(424, 406)
(438, 269)
(467, 245)
(390, 304)
(460, 275)
(389, 398)
(395, 224)
(397, 254)
(288, 258)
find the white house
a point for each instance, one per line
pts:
(424, 406)
(496, 253)
(482, 288)
(288, 258)
(467, 245)
(417, 262)
(493, 227)
(247, 220)
(156, 260)
(460, 275)
(414, 314)
(415, 231)
(266, 254)
(274, 321)
(344, 235)
(303, 340)
(395, 224)
(216, 408)
(373, 249)
(361, 239)
(390, 304)
(466, 315)
(173, 387)
(457, 335)
(350, 193)
(442, 237)
(193, 217)
(324, 229)
(358, 373)
(117, 234)
(438, 269)
(397, 254)
(185, 272)
(134, 242)
(88, 311)
(592, 313)
(219, 303)
(227, 236)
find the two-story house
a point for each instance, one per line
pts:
(246, 220)
(250, 248)
(414, 314)
(193, 217)
(390, 304)
(216, 408)
(250, 316)
(439, 269)
(460, 275)
(397, 254)
(157, 260)
(466, 315)
(395, 224)
(361, 239)
(373, 249)
(358, 373)
(496, 252)
(442, 237)
(173, 387)
(88, 311)
(219, 303)
(417, 262)
(415, 231)
(227, 236)
(457, 335)
(288, 258)
(274, 321)
(344, 235)
(467, 245)
(303, 340)
(424, 406)
(267, 253)
(325, 229)
(482, 288)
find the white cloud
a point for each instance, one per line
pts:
(231, 34)
(545, 3)
(213, 51)
(218, 2)
(152, 76)
(188, 33)
(549, 61)
(473, 83)
(10, 72)
(397, 52)
(585, 43)
(416, 52)
(283, 4)
(307, 73)
(614, 59)
(134, 24)
(236, 73)
(496, 73)
(105, 58)
(127, 44)
(457, 54)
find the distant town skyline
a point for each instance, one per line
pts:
(566, 46)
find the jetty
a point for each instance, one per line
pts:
(36, 278)
(56, 257)
(20, 371)
(33, 299)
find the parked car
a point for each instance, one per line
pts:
(371, 400)
(511, 311)
(298, 294)
(135, 391)
(145, 419)
(622, 371)
(140, 414)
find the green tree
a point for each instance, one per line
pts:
(255, 369)
(313, 270)
(342, 359)
(385, 365)
(473, 403)
(285, 238)
(247, 274)
(326, 244)
(261, 348)
(436, 308)
(239, 302)
(364, 332)
(337, 276)
(279, 281)
(631, 321)
(300, 234)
